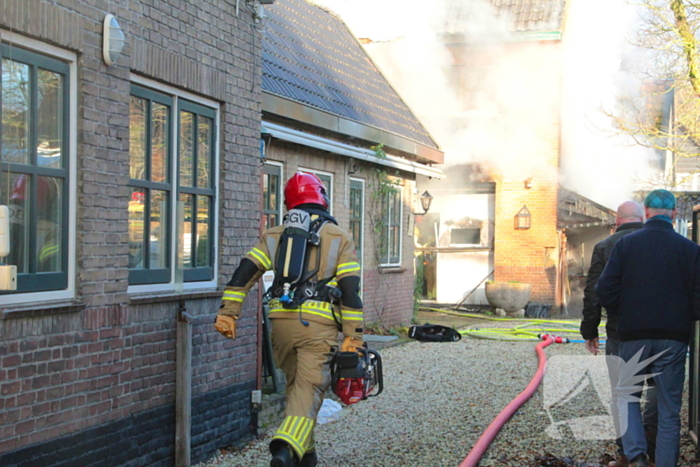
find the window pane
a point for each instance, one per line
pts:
(15, 195)
(16, 112)
(203, 232)
(187, 201)
(470, 235)
(137, 138)
(396, 208)
(137, 214)
(395, 239)
(49, 119)
(395, 254)
(186, 148)
(274, 193)
(271, 195)
(326, 179)
(160, 118)
(158, 238)
(356, 216)
(204, 132)
(49, 209)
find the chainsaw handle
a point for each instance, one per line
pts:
(374, 355)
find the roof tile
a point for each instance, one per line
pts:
(310, 56)
(523, 15)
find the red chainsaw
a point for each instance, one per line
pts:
(357, 375)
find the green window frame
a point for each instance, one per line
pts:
(34, 166)
(157, 203)
(150, 162)
(356, 215)
(196, 191)
(390, 246)
(272, 195)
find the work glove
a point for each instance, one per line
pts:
(351, 344)
(229, 306)
(226, 325)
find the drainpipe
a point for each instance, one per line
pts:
(183, 387)
(261, 228)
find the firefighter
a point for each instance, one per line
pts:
(304, 338)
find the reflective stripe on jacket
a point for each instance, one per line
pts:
(337, 260)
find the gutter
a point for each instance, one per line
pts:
(318, 142)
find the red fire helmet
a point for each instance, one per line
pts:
(304, 188)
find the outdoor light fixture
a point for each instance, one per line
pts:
(353, 169)
(112, 41)
(426, 200)
(522, 219)
(528, 183)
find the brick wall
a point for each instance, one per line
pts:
(524, 144)
(94, 376)
(530, 256)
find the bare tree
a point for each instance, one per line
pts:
(669, 70)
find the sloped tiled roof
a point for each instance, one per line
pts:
(311, 57)
(521, 15)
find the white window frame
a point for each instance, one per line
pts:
(400, 191)
(362, 219)
(281, 187)
(70, 58)
(176, 283)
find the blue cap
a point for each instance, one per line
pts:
(660, 199)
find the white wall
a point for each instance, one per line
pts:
(459, 273)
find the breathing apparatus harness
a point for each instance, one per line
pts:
(294, 283)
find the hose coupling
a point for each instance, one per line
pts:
(557, 339)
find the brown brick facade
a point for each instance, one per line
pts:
(105, 360)
(530, 256)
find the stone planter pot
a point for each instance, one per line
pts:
(508, 296)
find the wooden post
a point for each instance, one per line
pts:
(183, 387)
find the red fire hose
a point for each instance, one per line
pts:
(490, 433)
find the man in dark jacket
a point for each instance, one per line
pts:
(629, 219)
(651, 282)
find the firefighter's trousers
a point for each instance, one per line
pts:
(304, 354)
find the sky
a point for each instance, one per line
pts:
(597, 162)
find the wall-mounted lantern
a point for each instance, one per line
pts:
(522, 219)
(528, 183)
(112, 41)
(426, 200)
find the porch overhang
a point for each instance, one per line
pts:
(575, 211)
(318, 142)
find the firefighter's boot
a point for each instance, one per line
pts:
(282, 455)
(310, 459)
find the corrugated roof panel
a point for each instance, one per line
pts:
(310, 56)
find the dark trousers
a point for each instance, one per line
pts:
(668, 368)
(650, 411)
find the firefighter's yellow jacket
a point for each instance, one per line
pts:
(338, 262)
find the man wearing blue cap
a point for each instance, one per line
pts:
(652, 283)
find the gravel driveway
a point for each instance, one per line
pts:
(438, 399)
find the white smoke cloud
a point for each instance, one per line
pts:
(597, 161)
(495, 123)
